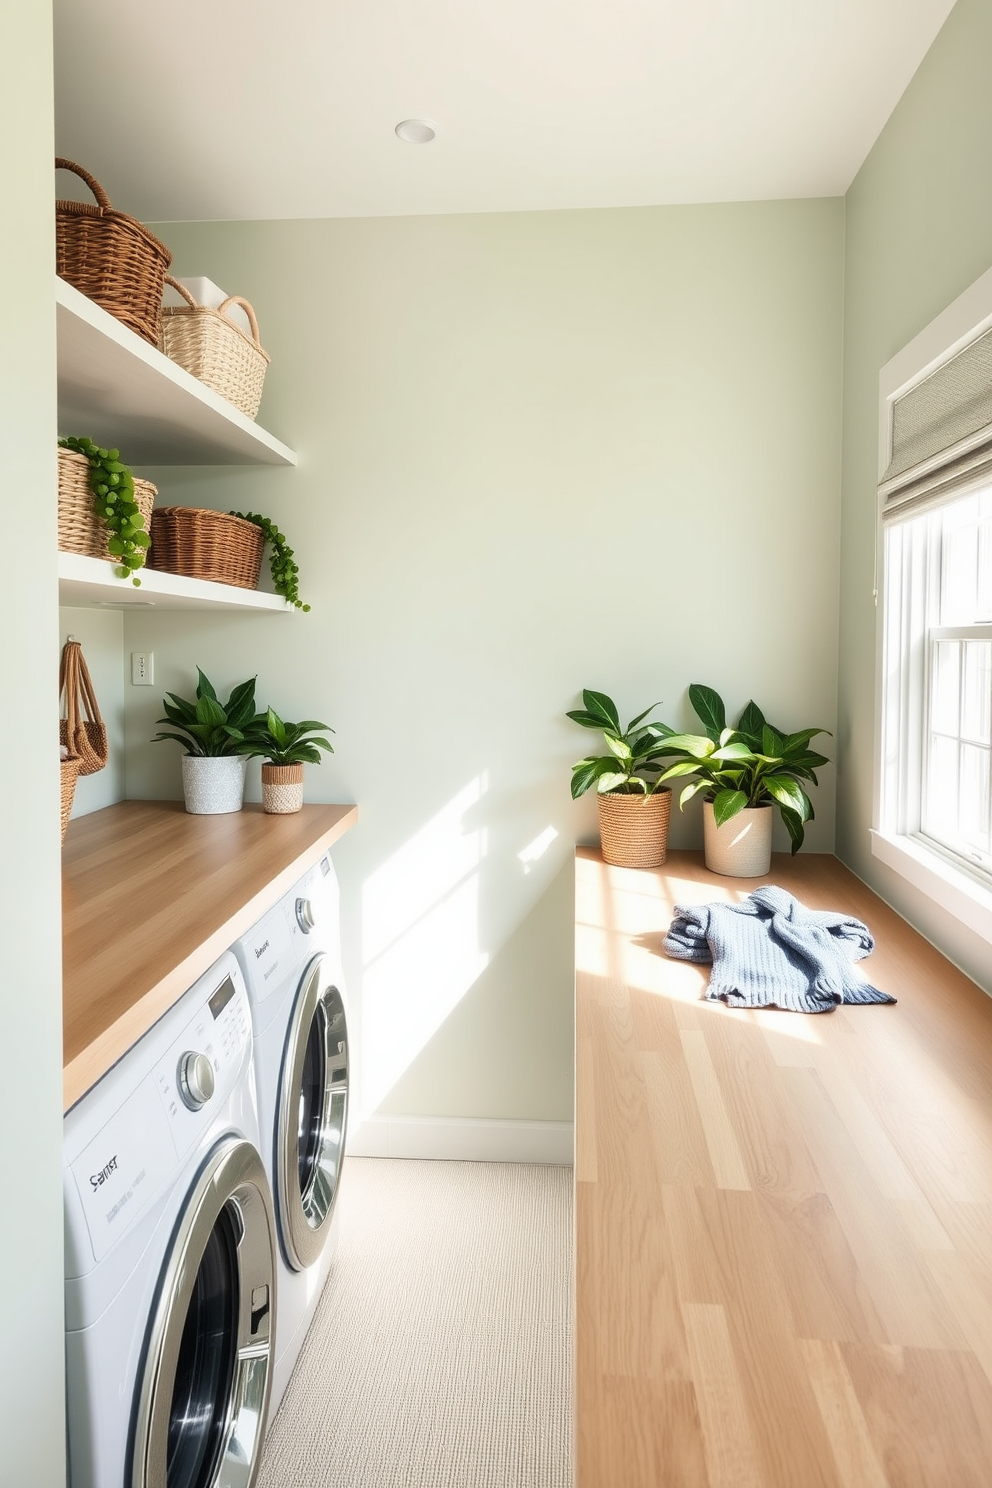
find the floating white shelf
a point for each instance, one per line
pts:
(88, 582)
(123, 392)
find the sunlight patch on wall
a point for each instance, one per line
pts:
(535, 850)
(420, 936)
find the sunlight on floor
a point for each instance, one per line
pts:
(622, 917)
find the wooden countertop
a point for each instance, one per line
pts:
(783, 1221)
(151, 896)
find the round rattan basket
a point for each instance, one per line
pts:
(633, 830)
(202, 544)
(110, 257)
(80, 529)
(215, 350)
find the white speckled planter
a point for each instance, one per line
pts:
(282, 789)
(213, 786)
(742, 847)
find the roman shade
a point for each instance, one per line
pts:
(941, 434)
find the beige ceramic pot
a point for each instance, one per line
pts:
(282, 789)
(633, 830)
(742, 847)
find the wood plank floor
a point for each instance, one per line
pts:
(783, 1221)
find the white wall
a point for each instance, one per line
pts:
(31, 1388)
(537, 451)
(919, 231)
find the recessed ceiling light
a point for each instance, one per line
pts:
(416, 131)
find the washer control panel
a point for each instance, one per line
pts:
(154, 1106)
(205, 1059)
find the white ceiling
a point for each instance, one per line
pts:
(204, 109)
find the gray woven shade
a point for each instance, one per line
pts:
(942, 433)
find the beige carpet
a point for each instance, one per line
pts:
(440, 1356)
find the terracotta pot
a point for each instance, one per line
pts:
(282, 789)
(742, 847)
(213, 786)
(633, 830)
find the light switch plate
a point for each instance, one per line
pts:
(142, 668)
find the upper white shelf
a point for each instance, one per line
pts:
(120, 390)
(85, 582)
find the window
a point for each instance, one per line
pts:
(933, 818)
(948, 553)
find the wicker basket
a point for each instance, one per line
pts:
(633, 830)
(111, 257)
(80, 529)
(214, 349)
(206, 545)
(70, 774)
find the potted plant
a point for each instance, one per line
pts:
(634, 807)
(215, 736)
(742, 773)
(285, 748)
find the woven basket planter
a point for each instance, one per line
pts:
(633, 830)
(80, 529)
(282, 789)
(70, 774)
(111, 257)
(214, 349)
(206, 545)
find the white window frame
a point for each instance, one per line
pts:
(901, 706)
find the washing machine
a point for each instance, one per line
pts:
(292, 968)
(171, 1258)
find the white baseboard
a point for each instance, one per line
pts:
(460, 1140)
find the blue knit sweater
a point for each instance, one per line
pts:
(771, 951)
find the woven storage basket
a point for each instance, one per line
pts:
(633, 830)
(206, 545)
(214, 349)
(80, 529)
(70, 774)
(111, 257)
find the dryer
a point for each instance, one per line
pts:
(171, 1269)
(292, 968)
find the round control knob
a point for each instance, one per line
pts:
(196, 1080)
(305, 915)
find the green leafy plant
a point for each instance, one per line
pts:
(634, 757)
(209, 727)
(112, 484)
(751, 764)
(288, 743)
(282, 565)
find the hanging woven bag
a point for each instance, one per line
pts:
(82, 729)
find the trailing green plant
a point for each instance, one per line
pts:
(288, 743)
(635, 752)
(751, 764)
(112, 484)
(282, 565)
(209, 727)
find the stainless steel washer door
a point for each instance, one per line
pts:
(313, 1113)
(204, 1389)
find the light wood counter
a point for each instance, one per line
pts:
(783, 1221)
(151, 896)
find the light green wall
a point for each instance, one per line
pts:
(919, 231)
(32, 1437)
(537, 452)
